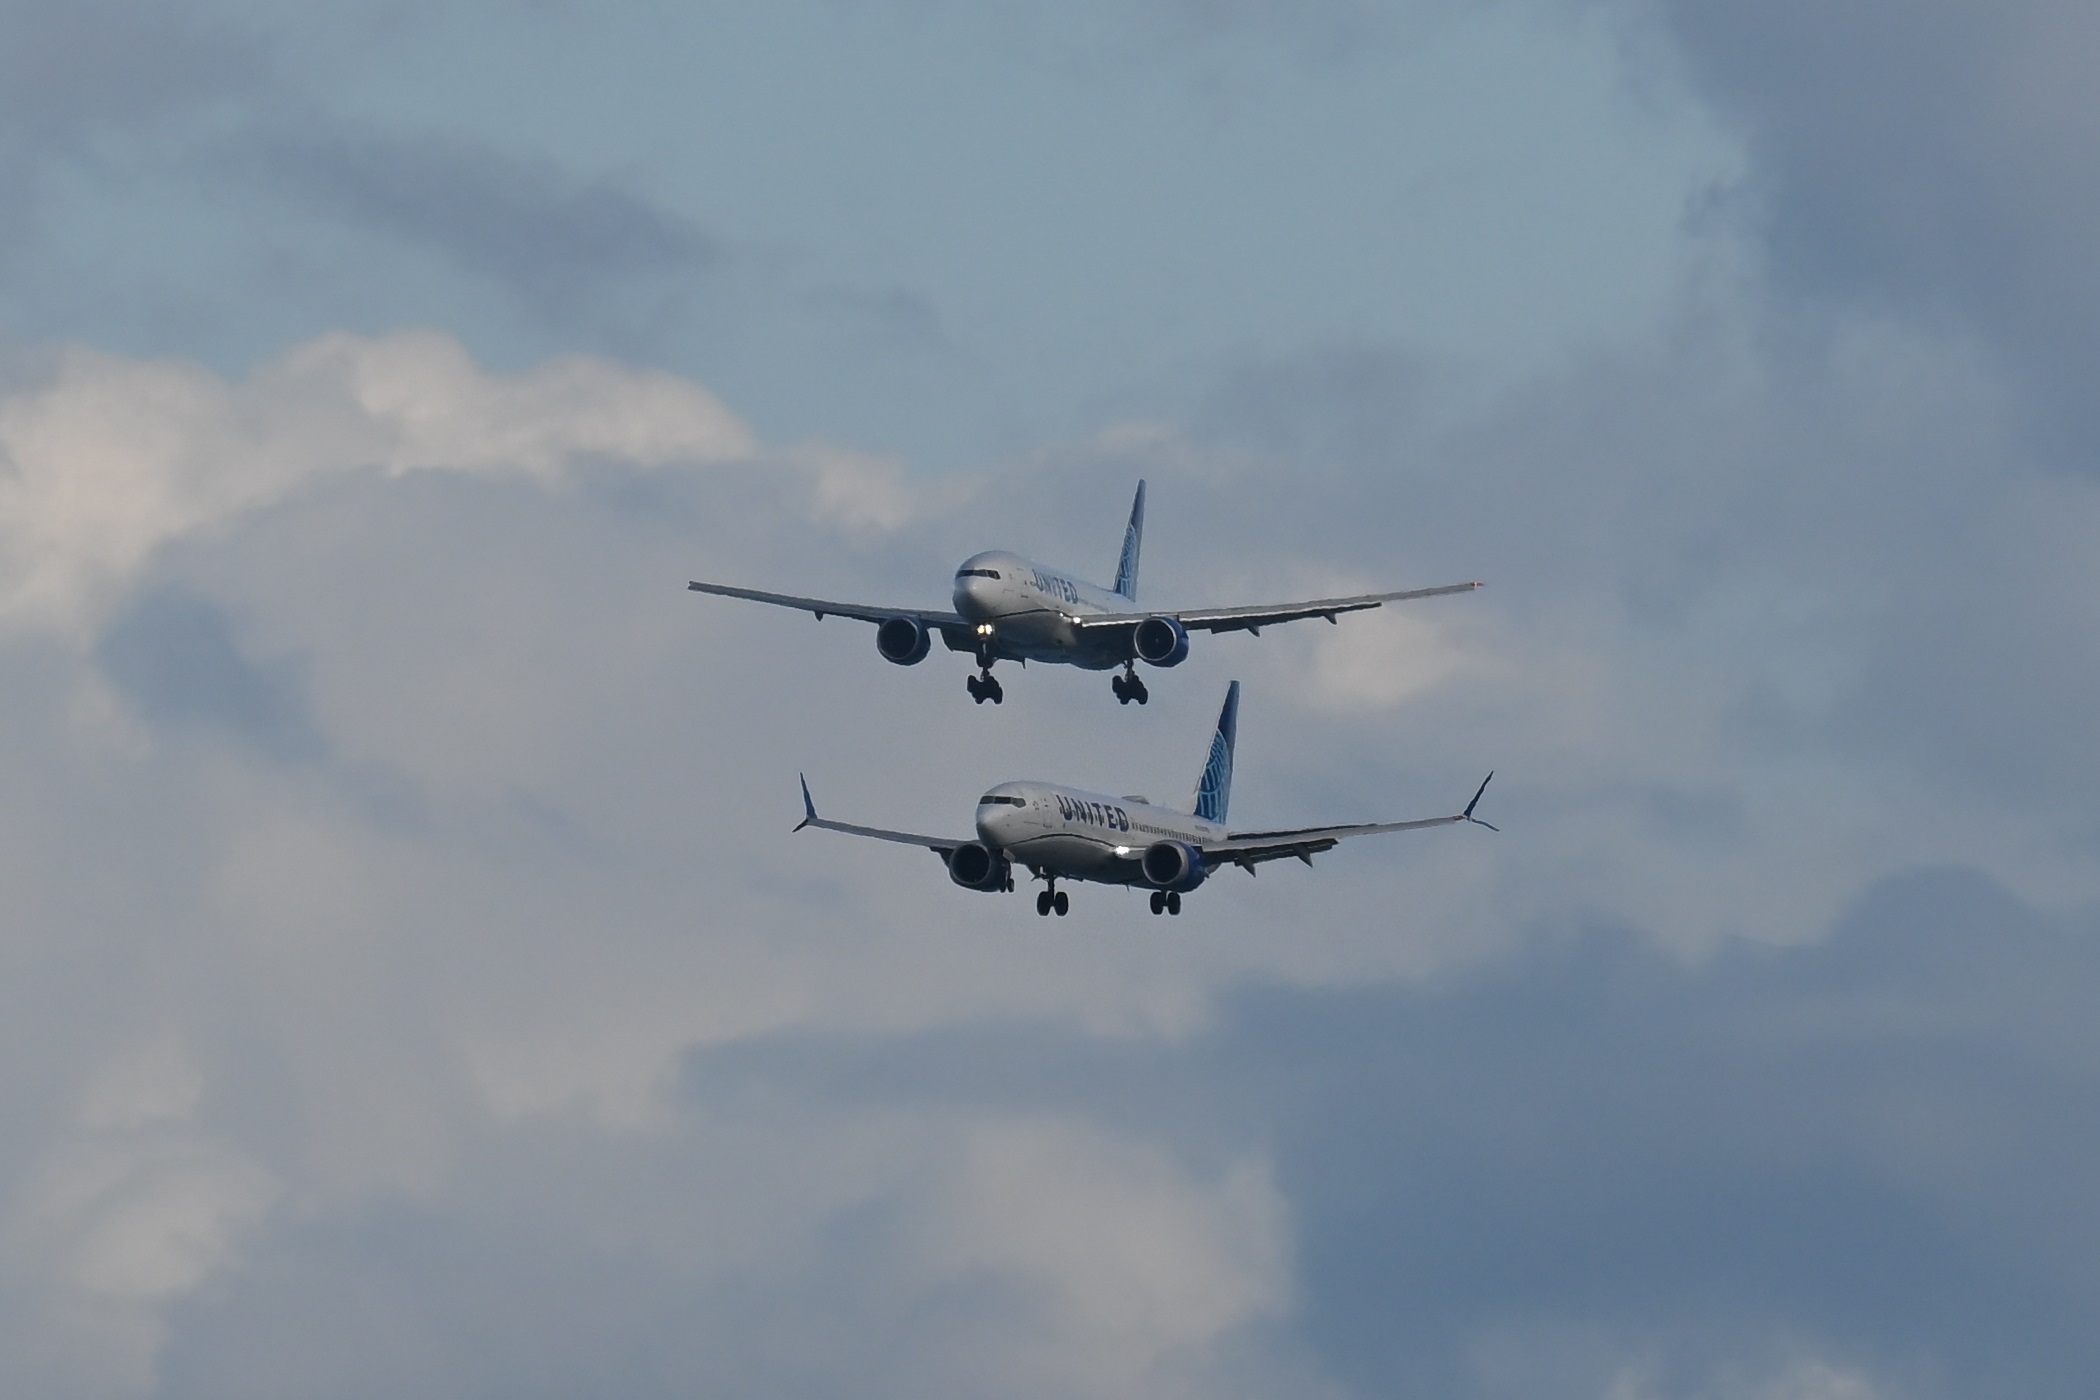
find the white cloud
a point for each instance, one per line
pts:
(402, 1055)
(1388, 657)
(1799, 1378)
(536, 855)
(131, 1209)
(110, 458)
(1137, 1270)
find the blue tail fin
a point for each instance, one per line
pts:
(1126, 567)
(1214, 789)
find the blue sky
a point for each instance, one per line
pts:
(411, 983)
(925, 229)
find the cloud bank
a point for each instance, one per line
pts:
(445, 878)
(411, 983)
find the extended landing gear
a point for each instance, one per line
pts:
(1053, 899)
(984, 686)
(1128, 687)
(1166, 901)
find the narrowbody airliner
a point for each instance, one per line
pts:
(1060, 833)
(1009, 609)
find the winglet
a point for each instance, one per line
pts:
(809, 808)
(1467, 815)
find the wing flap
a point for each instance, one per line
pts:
(1253, 619)
(1248, 849)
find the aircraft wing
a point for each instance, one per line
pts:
(939, 845)
(933, 618)
(1253, 619)
(1248, 849)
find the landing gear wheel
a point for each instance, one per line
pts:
(983, 687)
(1159, 901)
(1061, 902)
(1129, 687)
(1122, 691)
(976, 690)
(1042, 903)
(1173, 902)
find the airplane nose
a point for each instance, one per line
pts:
(1001, 825)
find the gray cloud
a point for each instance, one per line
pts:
(579, 252)
(592, 1075)
(1325, 31)
(593, 1070)
(176, 657)
(1586, 1167)
(1932, 159)
(72, 67)
(1865, 1146)
(1346, 402)
(1871, 1149)
(74, 72)
(1844, 530)
(891, 321)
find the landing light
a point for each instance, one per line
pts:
(1122, 850)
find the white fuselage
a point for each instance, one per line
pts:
(1079, 835)
(1025, 611)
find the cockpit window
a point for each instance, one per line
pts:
(999, 799)
(977, 573)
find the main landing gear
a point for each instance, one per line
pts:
(1053, 899)
(1128, 687)
(985, 686)
(1166, 901)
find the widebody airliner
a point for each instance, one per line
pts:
(1060, 833)
(1009, 609)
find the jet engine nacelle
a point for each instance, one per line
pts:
(976, 866)
(1161, 641)
(1173, 865)
(903, 640)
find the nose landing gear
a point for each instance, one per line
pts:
(984, 686)
(1050, 900)
(1128, 687)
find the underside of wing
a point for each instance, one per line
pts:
(1253, 619)
(941, 846)
(1248, 849)
(822, 607)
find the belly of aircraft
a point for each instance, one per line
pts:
(1076, 857)
(1034, 634)
(1047, 636)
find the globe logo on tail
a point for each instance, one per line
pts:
(1215, 789)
